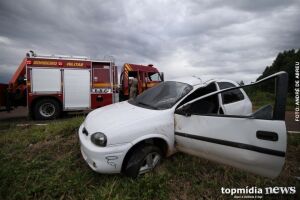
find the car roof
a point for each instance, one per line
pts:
(191, 80)
(196, 81)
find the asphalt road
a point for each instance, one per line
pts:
(20, 114)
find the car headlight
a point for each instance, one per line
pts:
(99, 139)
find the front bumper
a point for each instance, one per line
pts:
(107, 159)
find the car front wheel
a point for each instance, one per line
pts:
(143, 159)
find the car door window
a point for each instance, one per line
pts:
(209, 105)
(230, 96)
(204, 106)
(199, 92)
(259, 104)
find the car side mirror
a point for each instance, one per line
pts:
(265, 112)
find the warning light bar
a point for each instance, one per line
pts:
(28, 62)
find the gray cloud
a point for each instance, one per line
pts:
(227, 39)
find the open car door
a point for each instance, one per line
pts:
(255, 143)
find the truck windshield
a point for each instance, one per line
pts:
(154, 77)
(162, 96)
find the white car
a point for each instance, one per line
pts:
(213, 120)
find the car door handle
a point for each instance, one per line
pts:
(267, 135)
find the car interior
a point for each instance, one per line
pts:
(209, 105)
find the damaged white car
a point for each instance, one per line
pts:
(212, 120)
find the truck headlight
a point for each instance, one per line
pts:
(99, 139)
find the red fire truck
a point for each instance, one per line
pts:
(147, 76)
(49, 85)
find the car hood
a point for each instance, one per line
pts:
(115, 116)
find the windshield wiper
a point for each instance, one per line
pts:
(144, 104)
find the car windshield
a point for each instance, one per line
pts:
(162, 96)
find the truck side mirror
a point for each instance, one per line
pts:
(162, 76)
(21, 80)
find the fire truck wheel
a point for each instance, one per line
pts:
(143, 159)
(46, 109)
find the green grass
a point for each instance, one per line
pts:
(44, 162)
(261, 98)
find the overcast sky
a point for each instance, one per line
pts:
(210, 38)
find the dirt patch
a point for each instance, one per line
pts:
(291, 124)
(18, 113)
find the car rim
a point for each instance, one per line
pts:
(150, 161)
(47, 110)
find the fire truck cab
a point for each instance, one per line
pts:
(50, 85)
(147, 76)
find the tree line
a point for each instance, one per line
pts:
(285, 61)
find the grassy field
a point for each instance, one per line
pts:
(44, 162)
(260, 98)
